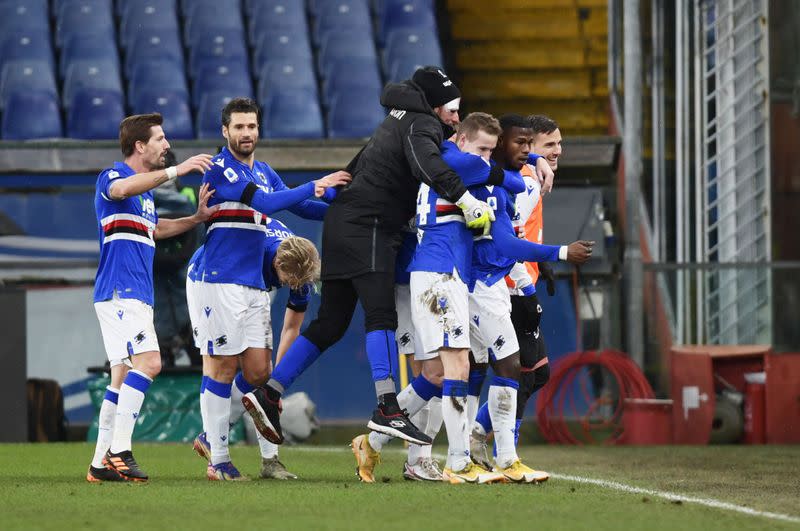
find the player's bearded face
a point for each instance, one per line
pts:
(242, 133)
(156, 149)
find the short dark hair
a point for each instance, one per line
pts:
(508, 121)
(240, 105)
(136, 128)
(542, 125)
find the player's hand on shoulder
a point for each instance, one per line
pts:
(200, 163)
(545, 174)
(579, 252)
(336, 178)
(204, 212)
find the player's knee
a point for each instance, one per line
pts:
(257, 375)
(324, 334)
(508, 367)
(433, 372)
(148, 363)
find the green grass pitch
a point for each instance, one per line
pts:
(42, 486)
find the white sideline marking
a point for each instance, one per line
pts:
(671, 496)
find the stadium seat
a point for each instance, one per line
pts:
(379, 6)
(218, 44)
(154, 44)
(32, 45)
(173, 106)
(421, 43)
(338, 47)
(341, 16)
(123, 6)
(83, 46)
(188, 6)
(347, 75)
(288, 74)
(292, 114)
(401, 68)
(233, 77)
(89, 73)
(31, 114)
(76, 16)
(211, 19)
(277, 46)
(355, 115)
(283, 15)
(26, 75)
(209, 113)
(95, 114)
(404, 14)
(146, 17)
(23, 15)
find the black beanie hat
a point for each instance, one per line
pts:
(438, 88)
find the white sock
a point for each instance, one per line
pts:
(503, 411)
(105, 425)
(129, 403)
(203, 412)
(472, 407)
(268, 450)
(454, 413)
(420, 420)
(478, 427)
(434, 425)
(217, 397)
(239, 388)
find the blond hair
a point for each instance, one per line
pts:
(298, 260)
(479, 121)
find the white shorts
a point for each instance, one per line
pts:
(408, 341)
(229, 318)
(491, 330)
(440, 312)
(127, 328)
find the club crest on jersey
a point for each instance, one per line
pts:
(457, 331)
(221, 340)
(139, 338)
(262, 176)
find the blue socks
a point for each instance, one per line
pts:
(300, 356)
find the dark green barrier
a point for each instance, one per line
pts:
(170, 412)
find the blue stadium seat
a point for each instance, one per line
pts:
(146, 17)
(164, 74)
(404, 14)
(77, 16)
(188, 6)
(292, 114)
(218, 44)
(95, 114)
(354, 115)
(32, 45)
(92, 46)
(26, 75)
(90, 73)
(173, 106)
(348, 75)
(31, 114)
(154, 44)
(23, 15)
(337, 47)
(287, 74)
(379, 6)
(209, 113)
(278, 46)
(402, 68)
(233, 77)
(211, 64)
(421, 43)
(342, 16)
(123, 6)
(272, 16)
(204, 20)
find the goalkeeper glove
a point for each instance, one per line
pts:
(477, 214)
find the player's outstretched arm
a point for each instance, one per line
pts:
(473, 170)
(143, 182)
(168, 228)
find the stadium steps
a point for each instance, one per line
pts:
(507, 65)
